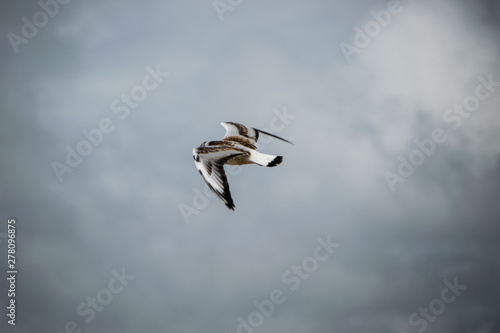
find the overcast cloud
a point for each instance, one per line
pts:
(383, 217)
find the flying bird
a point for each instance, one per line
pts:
(237, 147)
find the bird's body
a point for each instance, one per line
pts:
(237, 147)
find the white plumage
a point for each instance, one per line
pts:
(237, 147)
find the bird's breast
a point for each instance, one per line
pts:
(239, 160)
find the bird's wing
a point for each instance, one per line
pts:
(248, 133)
(240, 131)
(209, 161)
(274, 136)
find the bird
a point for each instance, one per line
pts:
(237, 147)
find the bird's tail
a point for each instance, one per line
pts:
(265, 160)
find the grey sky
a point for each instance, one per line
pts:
(129, 227)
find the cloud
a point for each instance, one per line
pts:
(120, 206)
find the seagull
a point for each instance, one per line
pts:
(237, 147)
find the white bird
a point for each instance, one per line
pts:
(237, 147)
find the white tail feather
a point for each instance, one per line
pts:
(265, 159)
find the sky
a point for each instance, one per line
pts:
(383, 216)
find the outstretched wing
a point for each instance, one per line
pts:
(274, 136)
(238, 130)
(209, 161)
(248, 133)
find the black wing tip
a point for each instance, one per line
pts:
(274, 136)
(290, 142)
(227, 199)
(277, 161)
